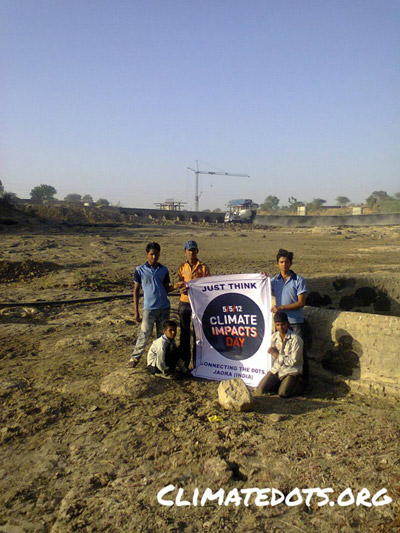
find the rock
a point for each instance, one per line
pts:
(347, 303)
(275, 417)
(217, 470)
(71, 506)
(233, 394)
(382, 304)
(80, 386)
(124, 383)
(367, 295)
(314, 299)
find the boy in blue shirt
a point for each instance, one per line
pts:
(153, 278)
(290, 291)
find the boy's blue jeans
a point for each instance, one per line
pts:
(149, 318)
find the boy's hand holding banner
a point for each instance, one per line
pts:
(232, 321)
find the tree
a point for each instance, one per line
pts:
(294, 203)
(73, 198)
(342, 200)
(102, 202)
(390, 205)
(270, 203)
(87, 199)
(217, 210)
(316, 204)
(377, 197)
(43, 192)
(10, 197)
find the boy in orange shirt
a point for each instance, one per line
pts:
(192, 268)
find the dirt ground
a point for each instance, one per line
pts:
(86, 444)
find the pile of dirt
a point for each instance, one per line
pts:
(78, 214)
(25, 270)
(10, 215)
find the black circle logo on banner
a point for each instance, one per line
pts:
(234, 326)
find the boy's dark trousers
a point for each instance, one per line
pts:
(302, 331)
(290, 385)
(185, 317)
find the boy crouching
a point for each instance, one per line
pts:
(164, 356)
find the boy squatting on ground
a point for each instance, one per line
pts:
(290, 291)
(164, 356)
(154, 279)
(192, 268)
(285, 376)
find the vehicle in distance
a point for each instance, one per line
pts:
(243, 210)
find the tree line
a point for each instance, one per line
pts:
(46, 193)
(379, 200)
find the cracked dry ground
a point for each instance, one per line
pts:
(86, 444)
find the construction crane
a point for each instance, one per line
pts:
(197, 172)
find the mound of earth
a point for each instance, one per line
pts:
(23, 270)
(78, 214)
(10, 215)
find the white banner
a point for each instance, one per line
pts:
(232, 320)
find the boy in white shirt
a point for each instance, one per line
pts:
(285, 376)
(164, 357)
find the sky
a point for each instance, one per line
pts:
(117, 98)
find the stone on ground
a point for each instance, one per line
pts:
(217, 470)
(126, 383)
(233, 394)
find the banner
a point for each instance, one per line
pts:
(232, 321)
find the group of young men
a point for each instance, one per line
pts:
(289, 373)
(153, 278)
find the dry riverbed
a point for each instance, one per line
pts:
(86, 444)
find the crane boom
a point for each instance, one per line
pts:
(213, 173)
(219, 173)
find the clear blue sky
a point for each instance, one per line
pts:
(117, 98)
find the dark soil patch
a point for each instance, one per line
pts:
(25, 270)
